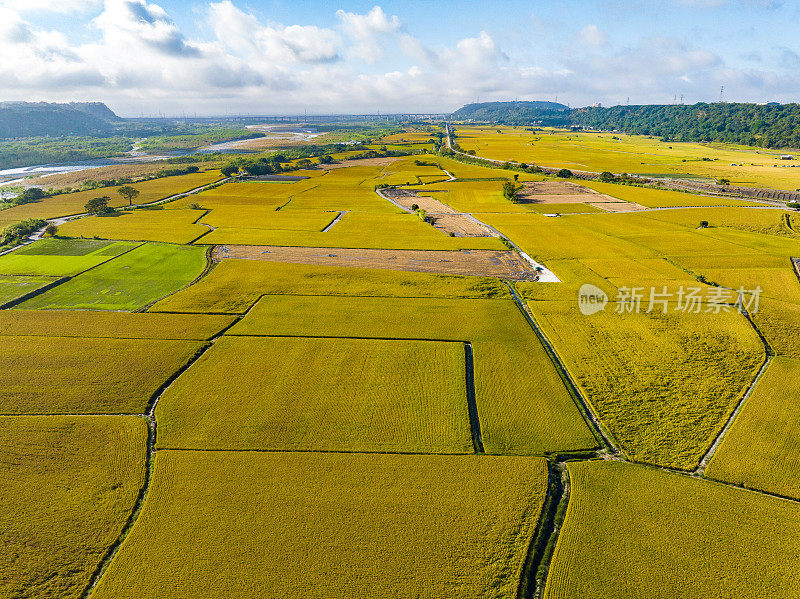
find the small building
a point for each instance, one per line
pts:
(787, 157)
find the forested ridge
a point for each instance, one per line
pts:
(766, 125)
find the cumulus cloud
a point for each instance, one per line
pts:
(61, 6)
(367, 29)
(241, 31)
(134, 55)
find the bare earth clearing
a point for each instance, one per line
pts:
(487, 263)
(360, 162)
(442, 216)
(563, 192)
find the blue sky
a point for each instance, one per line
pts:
(282, 57)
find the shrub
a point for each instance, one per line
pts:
(607, 177)
(18, 232)
(98, 206)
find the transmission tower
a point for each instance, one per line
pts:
(721, 92)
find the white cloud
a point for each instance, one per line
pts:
(367, 29)
(138, 59)
(593, 36)
(60, 6)
(296, 43)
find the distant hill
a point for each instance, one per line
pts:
(769, 125)
(28, 119)
(510, 112)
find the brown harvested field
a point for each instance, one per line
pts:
(564, 192)
(460, 225)
(361, 162)
(487, 263)
(617, 206)
(408, 197)
(560, 192)
(444, 217)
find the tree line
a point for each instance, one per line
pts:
(770, 125)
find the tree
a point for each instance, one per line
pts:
(304, 163)
(129, 193)
(51, 230)
(229, 169)
(31, 195)
(703, 224)
(607, 177)
(511, 192)
(723, 181)
(564, 173)
(326, 159)
(98, 206)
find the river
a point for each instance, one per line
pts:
(13, 176)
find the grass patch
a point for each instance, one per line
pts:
(60, 257)
(131, 281)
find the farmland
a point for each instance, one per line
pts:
(59, 257)
(132, 280)
(619, 153)
(760, 452)
(84, 375)
(633, 531)
(92, 468)
(235, 285)
(532, 415)
(352, 395)
(663, 383)
(173, 226)
(74, 203)
(290, 507)
(13, 286)
(297, 386)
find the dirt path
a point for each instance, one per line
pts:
(503, 264)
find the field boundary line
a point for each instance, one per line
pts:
(112, 550)
(338, 217)
(795, 262)
(472, 404)
(210, 265)
(354, 337)
(60, 281)
(33, 293)
(336, 451)
(701, 466)
(592, 420)
(540, 551)
(769, 353)
(150, 417)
